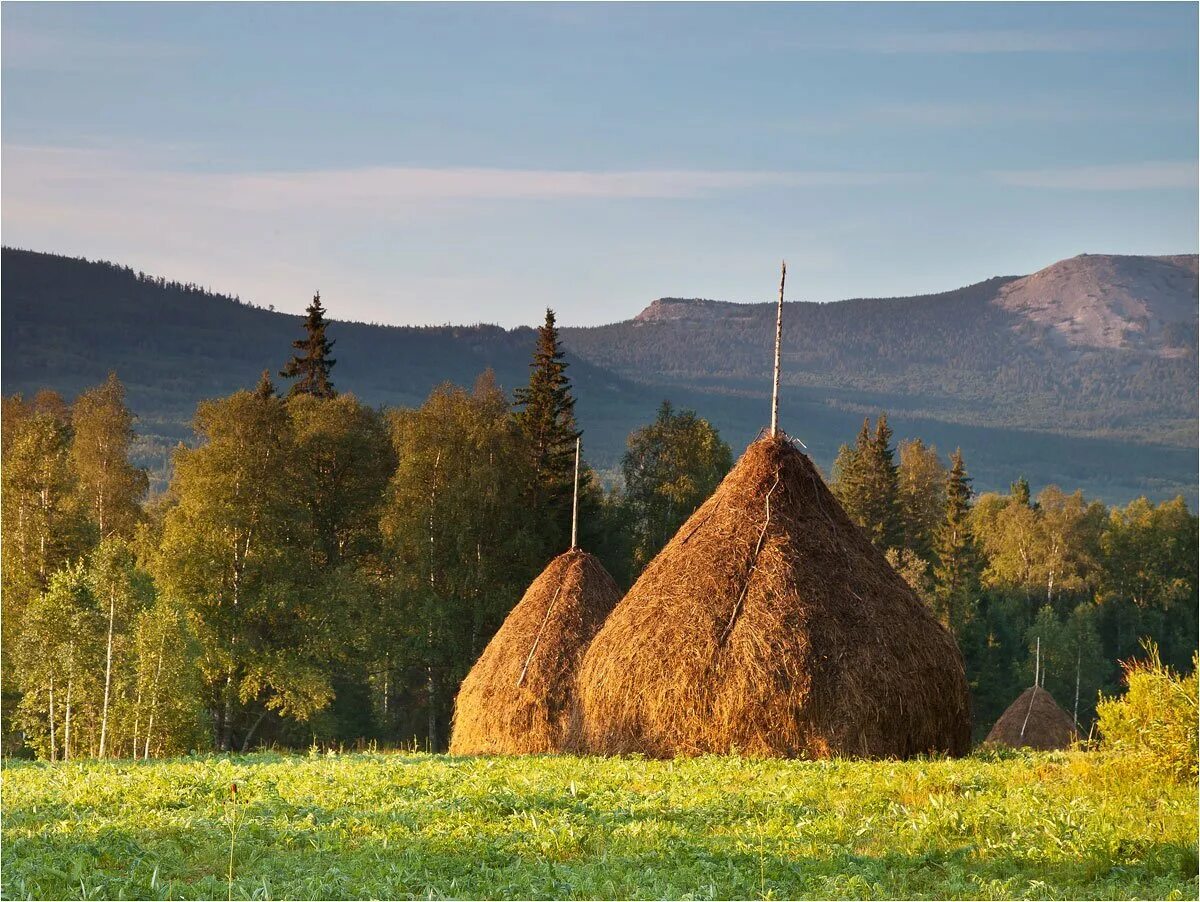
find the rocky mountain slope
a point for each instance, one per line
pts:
(1094, 345)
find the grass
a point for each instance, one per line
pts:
(1061, 825)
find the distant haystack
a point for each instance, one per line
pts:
(770, 625)
(517, 698)
(1035, 721)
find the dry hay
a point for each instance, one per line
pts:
(1046, 725)
(517, 698)
(769, 625)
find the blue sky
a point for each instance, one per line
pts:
(466, 163)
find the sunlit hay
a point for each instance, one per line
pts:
(516, 699)
(769, 625)
(1046, 725)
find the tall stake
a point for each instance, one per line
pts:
(1037, 667)
(778, 342)
(575, 501)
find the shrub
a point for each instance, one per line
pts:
(1155, 721)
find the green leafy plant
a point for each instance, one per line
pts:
(1155, 722)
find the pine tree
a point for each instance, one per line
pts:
(547, 421)
(311, 367)
(1019, 491)
(956, 574)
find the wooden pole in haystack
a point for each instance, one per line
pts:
(1037, 667)
(778, 342)
(575, 501)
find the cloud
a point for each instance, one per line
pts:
(49, 171)
(37, 48)
(1120, 177)
(1002, 41)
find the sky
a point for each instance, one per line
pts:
(462, 163)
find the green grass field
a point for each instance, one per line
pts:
(1064, 825)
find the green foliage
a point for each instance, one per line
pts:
(311, 366)
(956, 572)
(110, 488)
(461, 543)
(1002, 826)
(866, 480)
(546, 418)
(236, 553)
(670, 469)
(1073, 665)
(1154, 724)
(922, 496)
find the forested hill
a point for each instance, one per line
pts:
(955, 369)
(68, 322)
(1094, 345)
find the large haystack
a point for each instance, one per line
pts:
(1034, 720)
(517, 698)
(769, 625)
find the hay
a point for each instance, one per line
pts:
(1048, 726)
(517, 697)
(769, 625)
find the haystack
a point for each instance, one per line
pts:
(769, 625)
(517, 698)
(1034, 720)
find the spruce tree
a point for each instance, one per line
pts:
(883, 520)
(849, 478)
(310, 368)
(1019, 491)
(956, 574)
(547, 421)
(265, 388)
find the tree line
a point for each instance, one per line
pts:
(1012, 573)
(322, 570)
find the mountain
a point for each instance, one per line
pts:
(986, 367)
(1098, 301)
(1094, 346)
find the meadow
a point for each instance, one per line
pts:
(1072, 825)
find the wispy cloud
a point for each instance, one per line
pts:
(49, 170)
(39, 48)
(973, 41)
(1120, 177)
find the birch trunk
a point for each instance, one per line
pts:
(53, 747)
(112, 615)
(154, 698)
(67, 722)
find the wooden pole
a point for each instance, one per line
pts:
(575, 501)
(1037, 666)
(778, 342)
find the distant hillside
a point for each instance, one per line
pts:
(1097, 346)
(939, 364)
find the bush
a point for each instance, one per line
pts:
(1155, 721)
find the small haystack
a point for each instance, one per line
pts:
(769, 625)
(517, 698)
(1034, 720)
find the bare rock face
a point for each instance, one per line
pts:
(691, 310)
(1104, 301)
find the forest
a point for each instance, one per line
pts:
(321, 571)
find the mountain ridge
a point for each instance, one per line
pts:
(67, 322)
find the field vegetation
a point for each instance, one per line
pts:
(1069, 825)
